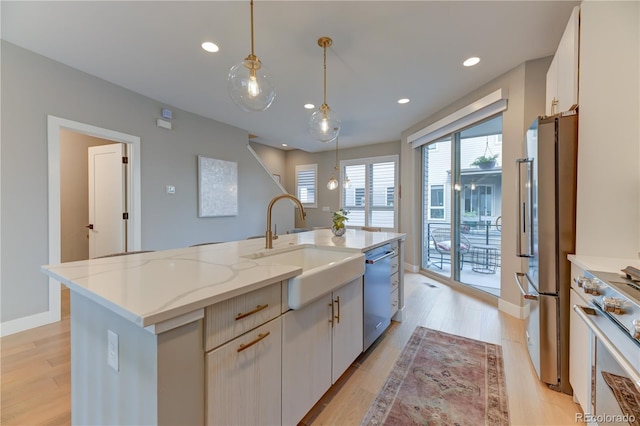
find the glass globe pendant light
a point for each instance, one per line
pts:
(249, 83)
(333, 182)
(324, 124)
(347, 182)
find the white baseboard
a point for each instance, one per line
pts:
(520, 312)
(25, 323)
(411, 268)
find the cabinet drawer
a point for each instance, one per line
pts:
(244, 378)
(395, 280)
(231, 318)
(394, 265)
(394, 302)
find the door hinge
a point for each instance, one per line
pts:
(125, 216)
(125, 160)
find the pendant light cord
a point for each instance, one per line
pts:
(336, 167)
(325, 77)
(252, 52)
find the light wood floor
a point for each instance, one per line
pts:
(35, 383)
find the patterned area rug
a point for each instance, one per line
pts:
(627, 396)
(442, 379)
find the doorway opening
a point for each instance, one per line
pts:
(462, 204)
(55, 131)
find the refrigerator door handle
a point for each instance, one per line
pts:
(525, 294)
(524, 247)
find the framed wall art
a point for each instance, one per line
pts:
(217, 187)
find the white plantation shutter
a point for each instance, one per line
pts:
(382, 194)
(306, 183)
(371, 197)
(354, 196)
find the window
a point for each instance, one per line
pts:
(306, 184)
(436, 202)
(359, 197)
(391, 194)
(477, 201)
(371, 196)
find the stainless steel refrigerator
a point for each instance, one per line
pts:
(547, 183)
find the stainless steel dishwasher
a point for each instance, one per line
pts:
(377, 293)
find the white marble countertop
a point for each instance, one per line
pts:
(604, 264)
(149, 288)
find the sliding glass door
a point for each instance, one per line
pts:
(462, 201)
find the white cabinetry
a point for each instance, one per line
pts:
(562, 77)
(395, 279)
(244, 378)
(347, 327)
(579, 348)
(243, 337)
(320, 341)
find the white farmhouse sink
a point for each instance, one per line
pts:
(323, 269)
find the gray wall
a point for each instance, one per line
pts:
(33, 87)
(526, 97)
(326, 161)
(274, 159)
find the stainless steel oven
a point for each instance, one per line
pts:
(613, 317)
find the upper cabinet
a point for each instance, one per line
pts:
(562, 77)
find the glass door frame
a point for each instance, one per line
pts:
(456, 207)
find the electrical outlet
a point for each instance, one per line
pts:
(326, 209)
(171, 189)
(112, 350)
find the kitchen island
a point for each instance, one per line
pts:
(148, 330)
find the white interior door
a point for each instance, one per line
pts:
(107, 201)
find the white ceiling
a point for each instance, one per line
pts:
(382, 51)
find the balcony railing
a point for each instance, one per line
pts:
(483, 239)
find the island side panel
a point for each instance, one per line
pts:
(181, 375)
(99, 394)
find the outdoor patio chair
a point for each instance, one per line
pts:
(441, 238)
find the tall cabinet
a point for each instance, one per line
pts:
(562, 77)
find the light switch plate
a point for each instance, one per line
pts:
(112, 350)
(171, 189)
(325, 208)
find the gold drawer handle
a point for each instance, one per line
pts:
(248, 345)
(257, 309)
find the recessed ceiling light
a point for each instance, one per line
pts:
(471, 61)
(309, 106)
(210, 47)
(403, 101)
(284, 144)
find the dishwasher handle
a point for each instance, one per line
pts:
(377, 259)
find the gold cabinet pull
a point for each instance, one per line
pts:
(332, 313)
(338, 316)
(261, 336)
(246, 314)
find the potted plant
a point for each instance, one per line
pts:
(485, 161)
(339, 218)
